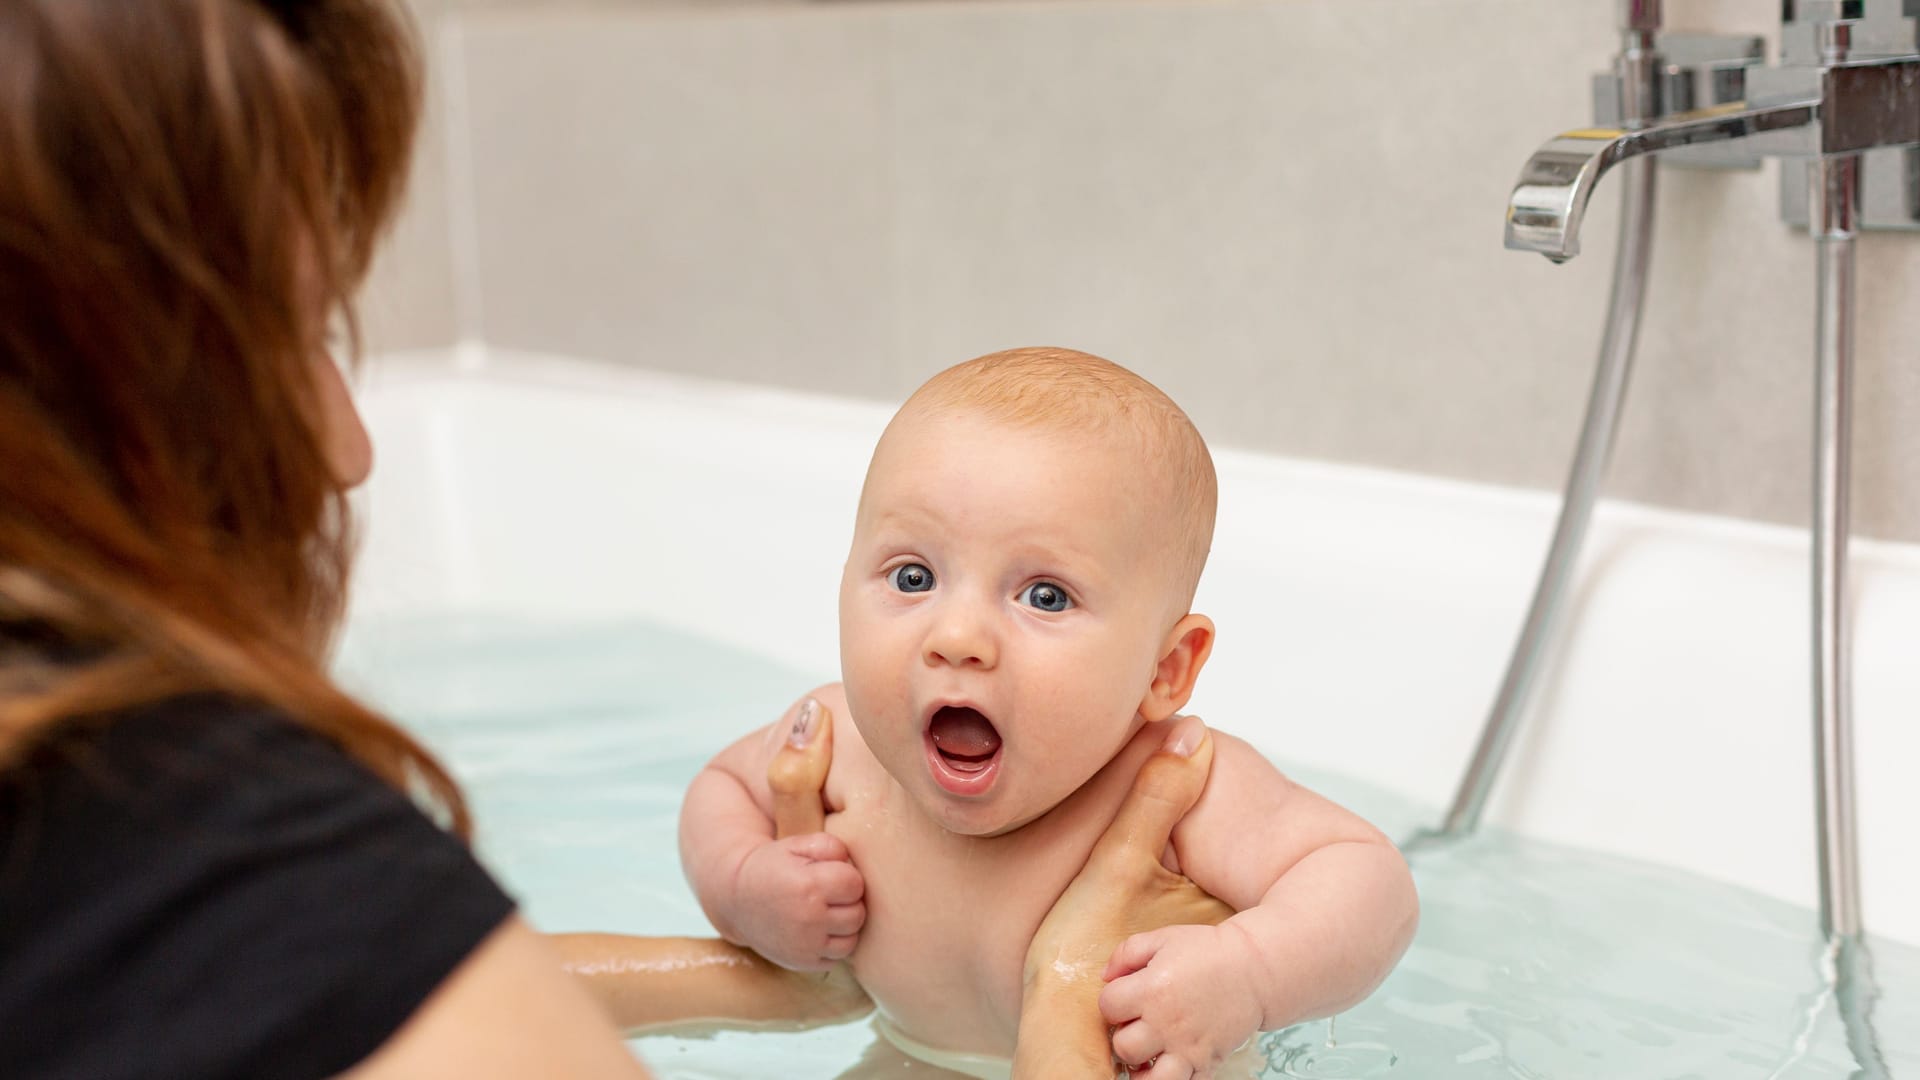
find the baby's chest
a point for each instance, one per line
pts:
(948, 922)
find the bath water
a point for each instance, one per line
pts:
(575, 743)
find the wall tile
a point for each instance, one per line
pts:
(1286, 212)
(699, 194)
(1278, 211)
(408, 301)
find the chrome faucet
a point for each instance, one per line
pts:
(1849, 82)
(1550, 201)
(1845, 101)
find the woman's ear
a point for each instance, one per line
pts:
(1182, 655)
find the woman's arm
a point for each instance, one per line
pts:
(507, 1011)
(649, 984)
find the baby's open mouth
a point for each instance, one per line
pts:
(964, 742)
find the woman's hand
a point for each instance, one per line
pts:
(798, 772)
(798, 899)
(649, 984)
(798, 777)
(1123, 890)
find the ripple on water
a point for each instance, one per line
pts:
(1314, 1052)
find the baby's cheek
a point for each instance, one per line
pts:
(860, 669)
(880, 716)
(1098, 709)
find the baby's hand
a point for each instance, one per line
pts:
(799, 902)
(1182, 999)
(798, 899)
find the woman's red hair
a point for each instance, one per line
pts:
(190, 191)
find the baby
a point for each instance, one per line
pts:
(1015, 634)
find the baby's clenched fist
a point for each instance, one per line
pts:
(799, 902)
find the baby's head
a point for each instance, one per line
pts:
(1015, 604)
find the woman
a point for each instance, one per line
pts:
(212, 863)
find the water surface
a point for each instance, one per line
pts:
(1533, 961)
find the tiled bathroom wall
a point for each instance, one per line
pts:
(1285, 212)
(409, 301)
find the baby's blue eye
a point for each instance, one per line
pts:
(1048, 597)
(911, 578)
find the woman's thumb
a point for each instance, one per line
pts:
(798, 770)
(1166, 787)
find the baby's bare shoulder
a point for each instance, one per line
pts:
(1252, 824)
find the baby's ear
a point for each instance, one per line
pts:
(1182, 655)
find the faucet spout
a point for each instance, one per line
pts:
(1547, 205)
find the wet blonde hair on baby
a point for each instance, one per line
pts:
(1081, 394)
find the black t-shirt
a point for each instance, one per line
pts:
(204, 889)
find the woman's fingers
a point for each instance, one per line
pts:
(798, 771)
(1164, 789)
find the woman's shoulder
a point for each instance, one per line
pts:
(192, 753)
(203, 785)
(167, 731)
(197, 888)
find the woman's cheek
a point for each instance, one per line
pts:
(348, 448)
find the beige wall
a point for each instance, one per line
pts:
(1287, 213)
(410, 297)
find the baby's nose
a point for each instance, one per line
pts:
(962, 639)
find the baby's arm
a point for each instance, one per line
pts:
(1326, 907)
(796, 901)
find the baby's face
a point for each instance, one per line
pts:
(1002, 614)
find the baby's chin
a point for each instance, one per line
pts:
(984, 819)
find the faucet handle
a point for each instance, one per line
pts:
(1692, 72)
(1819, 32)
(1704, 70)
(1640, 15)
(1800, 11)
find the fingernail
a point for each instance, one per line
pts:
(804, 724)
(1182, 742)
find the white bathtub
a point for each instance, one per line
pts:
(1364, 616)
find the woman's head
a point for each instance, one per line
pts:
(190, 192)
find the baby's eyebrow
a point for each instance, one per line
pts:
(895, 533)
(1078, 568)
(906, 520)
